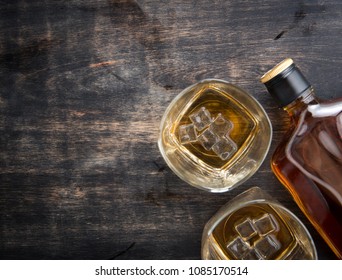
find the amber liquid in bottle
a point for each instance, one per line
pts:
(310, 166)
(309, 160)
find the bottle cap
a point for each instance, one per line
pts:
(285, 82)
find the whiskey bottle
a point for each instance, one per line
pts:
(308, 161)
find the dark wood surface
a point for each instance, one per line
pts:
(84, 85)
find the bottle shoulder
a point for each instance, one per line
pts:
(325, 109)
(319, 116)
(315, 132)
(319, 124)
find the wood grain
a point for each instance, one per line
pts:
(84, 85)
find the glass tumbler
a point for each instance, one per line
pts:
(253, 226)
(214, 135)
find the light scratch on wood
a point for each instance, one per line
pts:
(101, 64)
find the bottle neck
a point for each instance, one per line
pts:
(296, 107)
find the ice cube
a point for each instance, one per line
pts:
(187, 133)
(207, 139)
(265, 224)
(252, 255)
(267, 246)
(224, 148)
(238, 247)
(245, 229)
(221, 126)
(201, 118)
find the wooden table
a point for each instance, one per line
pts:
(84, 85)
